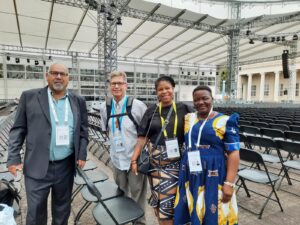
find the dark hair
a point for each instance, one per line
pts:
(202, 88)
(164, 78)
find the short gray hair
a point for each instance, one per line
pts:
(118, 74)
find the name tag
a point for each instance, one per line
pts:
(172, 148)
(194, 161)
(62, 135)
(118, 143)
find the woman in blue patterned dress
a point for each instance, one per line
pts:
(205, 193)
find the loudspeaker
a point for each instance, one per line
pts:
(285, 64)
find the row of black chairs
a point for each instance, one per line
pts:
(274, 132)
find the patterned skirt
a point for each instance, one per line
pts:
(163, 179)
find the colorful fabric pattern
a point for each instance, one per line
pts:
(199, 194)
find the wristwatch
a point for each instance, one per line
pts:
(229, 183)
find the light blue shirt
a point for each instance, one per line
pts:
(63, 151)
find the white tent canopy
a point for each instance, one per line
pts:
(53, 26)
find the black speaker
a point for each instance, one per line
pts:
(285, 64)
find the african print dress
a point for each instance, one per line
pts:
(199, 194)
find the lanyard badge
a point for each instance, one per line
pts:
(172, 146)
(62, 131)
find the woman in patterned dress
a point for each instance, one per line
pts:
(163, 174)
(205, 194)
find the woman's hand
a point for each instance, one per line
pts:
(134, 168)
(227, 193)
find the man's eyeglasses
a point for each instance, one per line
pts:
(114, 84)
(56, 73)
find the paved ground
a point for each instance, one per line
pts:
(272, 214)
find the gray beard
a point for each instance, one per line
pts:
(58, 87)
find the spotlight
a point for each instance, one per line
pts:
(109, 18)
(28, 60)
(251, 42)
(50, 57)
(44, 62)
(17, 60)
(295, 37)
(36, 62)
(278, 39)
(102, 9)
(8, 58)
(119, 21)
(112, 4)
(265, 39)
(273, 39)
(248, 32)
(283, 38)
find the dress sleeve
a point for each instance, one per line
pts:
(144, 125)
(232, 139)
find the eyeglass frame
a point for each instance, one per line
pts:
(114, 84)
(56, 73)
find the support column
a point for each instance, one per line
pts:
(249, 87)
(5, 76)
(262, 87)
(292, 71)
(276, 86)
(239, 87)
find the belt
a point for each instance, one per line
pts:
(59, 161)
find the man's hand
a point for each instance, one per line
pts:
(80, 163)
(134, 168)
(14, 168)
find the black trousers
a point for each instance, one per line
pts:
(59, 180)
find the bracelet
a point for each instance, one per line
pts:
(133, 161)
(229, 183)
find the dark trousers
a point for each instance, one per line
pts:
(59, 180)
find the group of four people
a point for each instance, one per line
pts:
(193, 164)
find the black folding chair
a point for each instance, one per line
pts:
(291, 147)
(292, 135)
(271, 132)
(257, 176)
(115, 211)
(250, 130)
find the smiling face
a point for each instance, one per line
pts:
(202, 102)
(57, 78)
(118, 87)
(165, 92)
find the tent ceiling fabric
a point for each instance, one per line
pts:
(75, 29)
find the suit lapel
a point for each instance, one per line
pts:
(74, 108)
(44, 102)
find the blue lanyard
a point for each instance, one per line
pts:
(113, 113)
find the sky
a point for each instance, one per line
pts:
(221, 10)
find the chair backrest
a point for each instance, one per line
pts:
(282, 127)
(251, 130)
(90, 185)
(295, 128)
(251, 156)
(260, 124)
(274, 133)
(293, 135)
(262, 141)
(289, 146)
(244, 122)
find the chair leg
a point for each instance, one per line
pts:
(76, 191)
(245, 187)
(81, 211)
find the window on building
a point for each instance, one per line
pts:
(281, 90)
(253, 90)
(297, 89)
(266, 90)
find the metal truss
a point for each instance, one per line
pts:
(292, 70)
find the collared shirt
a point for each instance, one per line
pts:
(61, 152)
(121, 160)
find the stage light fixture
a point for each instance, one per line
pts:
(273, 39)
(109, 16)
(36, 62)
(278, 39)
(102, 9)
(28, 60)
(119, 21)
(50, 57)
(8, 58)
(265, 39)
(44, 62)
(251, 42)
(283, 38)
(248, 32)
(17, 60)
(295, 37)
(112, 4)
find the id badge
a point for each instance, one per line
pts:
(172, 148)
(62, 135)
(118, 143)
(194, 161)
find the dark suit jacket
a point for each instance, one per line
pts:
(33, 123)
